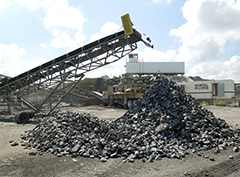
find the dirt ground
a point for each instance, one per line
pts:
(16, 161)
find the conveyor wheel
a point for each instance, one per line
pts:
(129, 104)
(22, 117)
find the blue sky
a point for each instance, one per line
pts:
(205, 34)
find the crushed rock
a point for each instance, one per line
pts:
(165, 122)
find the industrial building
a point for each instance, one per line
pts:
(202, 89)
(135, 66)
(207, 90)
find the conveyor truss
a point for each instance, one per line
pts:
(50, 75)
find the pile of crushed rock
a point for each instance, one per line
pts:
(165, 122)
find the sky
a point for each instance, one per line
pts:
(204, 34)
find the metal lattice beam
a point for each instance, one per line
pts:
(73, 64)
(105, 52)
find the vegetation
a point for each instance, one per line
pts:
(225, 102)
(204, 103)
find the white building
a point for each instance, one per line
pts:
(209, 90)
(135, 66)
(201, 89)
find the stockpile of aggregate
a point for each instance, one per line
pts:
(166, 122)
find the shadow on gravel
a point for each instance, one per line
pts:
(11, 120)
(6, 118)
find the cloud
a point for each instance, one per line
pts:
(10, 57)
(151, 55)
(233, 67)
(116, 68)
(32, 4)
(64, 22)
(217, 69)
(11, 63)
(66, 25)
(220, 19)
(210, 25)
(4, 4)
(107, 29)
(43, 45)
(200, 48)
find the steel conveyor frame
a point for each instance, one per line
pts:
(73, 64)
(83, 59)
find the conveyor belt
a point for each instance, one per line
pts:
(98, 95)
(73, 64)
(51, 75)
(81, 60)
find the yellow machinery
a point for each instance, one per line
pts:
(126, 93)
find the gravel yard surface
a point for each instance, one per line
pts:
(17, 161)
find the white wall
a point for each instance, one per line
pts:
(155, 67)
(204, 89)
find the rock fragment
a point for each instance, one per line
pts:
(236, 149)
(14, 143)
(103, 159)
(32, 153)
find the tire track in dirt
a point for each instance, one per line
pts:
(222, 169)
(3, 140)
(116, 166)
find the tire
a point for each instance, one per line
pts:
(22, 117)
(129, 104)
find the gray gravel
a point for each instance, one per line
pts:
(166, 122)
